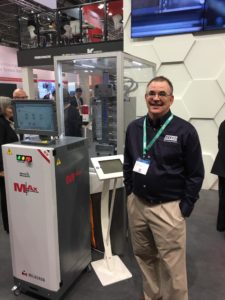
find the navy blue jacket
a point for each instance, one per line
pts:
(7, 135)
(176, 169)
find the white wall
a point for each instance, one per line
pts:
(9, 70)
(11, 73)
(196, 66)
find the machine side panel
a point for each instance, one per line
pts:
(31, 199)
(72, 182)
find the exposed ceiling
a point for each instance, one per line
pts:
(11, 9)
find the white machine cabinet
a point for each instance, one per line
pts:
(48, 203)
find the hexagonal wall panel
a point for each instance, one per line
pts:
(207, 131)
(178, 108)
(221, 80)
(141, 108)
(173, 48)
(220, 117)
(201, 63)
(215, 185)
(203, 99)
(210, 179)
(139, 50)
(178, 75)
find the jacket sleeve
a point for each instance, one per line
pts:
(2, 142)
(221, 137)
(194, 172)
(128, 166)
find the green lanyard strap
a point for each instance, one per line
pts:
(159, 132)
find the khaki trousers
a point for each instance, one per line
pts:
(158, 234)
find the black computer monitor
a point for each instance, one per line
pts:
(37, 117)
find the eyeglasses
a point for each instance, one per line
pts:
(20, 97)
(160, 94)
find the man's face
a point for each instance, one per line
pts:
(78, 94)
(158, 98)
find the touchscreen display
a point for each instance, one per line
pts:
(111, 166)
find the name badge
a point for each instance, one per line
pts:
(141, 166)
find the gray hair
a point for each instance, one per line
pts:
(160, 79)
(4, 103)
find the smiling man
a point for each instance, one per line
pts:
(163, 173)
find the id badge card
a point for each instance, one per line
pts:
(141, 166)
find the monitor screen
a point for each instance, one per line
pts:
(35, 117)
(163, 17)
(214, 17)
(111, 166)
(45, 89)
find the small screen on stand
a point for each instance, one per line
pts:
(37, 117)
(111, 166)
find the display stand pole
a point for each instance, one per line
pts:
(110, 269)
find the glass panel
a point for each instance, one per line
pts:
(69, 26)
(28, 31)
(47, 29)
(137, 74)
(115, 20)
(93, 22)
(86, 23)
(97, 78)
(111, 98)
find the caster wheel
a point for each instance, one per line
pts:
(88, 268)
(16, 290)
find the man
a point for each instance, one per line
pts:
(163, 173)
(19, 94)
(79, 99)
(219, 169)
(73, 124)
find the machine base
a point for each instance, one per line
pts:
(117, 273)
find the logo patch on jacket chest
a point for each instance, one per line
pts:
(170, 138)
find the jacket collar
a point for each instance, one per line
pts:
(158, 122)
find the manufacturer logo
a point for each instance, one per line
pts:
(26, 174)
(171, 138)
(24, 188)
(24, 273)
(33, 276)
(72, 177)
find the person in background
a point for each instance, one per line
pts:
(78, 98)
(53, 96)
(47, 96)
(72, 120)
(19, 94)
(7, 135)
(163, 174)
(218, 169)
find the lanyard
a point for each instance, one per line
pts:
(159, 132)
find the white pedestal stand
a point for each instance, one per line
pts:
(110, 269)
